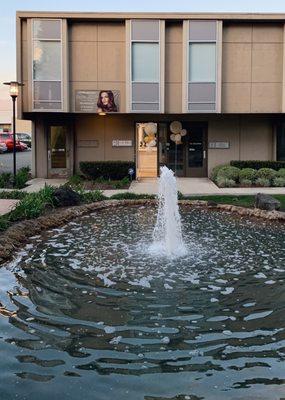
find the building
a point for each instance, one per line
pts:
(185, 90)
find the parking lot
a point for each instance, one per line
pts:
(23, 159)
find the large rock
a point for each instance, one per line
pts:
(65, 196)
(266, 202)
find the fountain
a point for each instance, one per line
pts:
(167, 234)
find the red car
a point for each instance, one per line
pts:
(7, 138)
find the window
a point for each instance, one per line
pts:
(47, 65)
(202, 66)
(202, 62)
(145, 62)
(145, 65)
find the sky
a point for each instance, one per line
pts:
(8, 10)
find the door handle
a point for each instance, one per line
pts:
(204, 154)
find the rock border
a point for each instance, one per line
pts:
(20, 232)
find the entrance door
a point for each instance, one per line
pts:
(196, 152)
(58, 151)
(146, 139)
(188, 158)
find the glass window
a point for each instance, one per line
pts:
(202, 62)
(47, 29)
(47, 61)
(145, 62)
(281, 142)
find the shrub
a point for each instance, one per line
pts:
(257, 164)
(6, 180)
(113, 170)
(22, 177)
(225, 182)
(122, 183)
(75, 180)
(215, 171)
(247, 174)
(33, 205)
(279, 181)
(92, 197)
(13, 194)
(281, 173)
(131, 196)
(262, 182)
(266, 173)
(246, 182)
(228, 172)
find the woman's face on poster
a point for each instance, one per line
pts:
(104, 98)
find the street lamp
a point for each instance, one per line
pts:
(14, 91)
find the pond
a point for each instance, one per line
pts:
(87, 311)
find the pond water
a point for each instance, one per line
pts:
(87, 312)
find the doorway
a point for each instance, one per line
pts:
(58, 151)
(188, 158)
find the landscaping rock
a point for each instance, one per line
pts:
(266, 202)
(65, 196)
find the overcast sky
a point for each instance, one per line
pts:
(9, 8)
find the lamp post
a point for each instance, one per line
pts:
(14, 91)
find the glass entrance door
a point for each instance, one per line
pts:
(188, 158)
(196, 152)
(58, 151)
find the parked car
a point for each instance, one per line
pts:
(25, 138)
(3, 148)
(7, 138)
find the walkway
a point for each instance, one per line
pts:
(6, 205)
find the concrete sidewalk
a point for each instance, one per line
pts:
(187, 186)
(6, 205)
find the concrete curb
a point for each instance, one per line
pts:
(20, 232)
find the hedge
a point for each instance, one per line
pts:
(256, 164)
(113, 170)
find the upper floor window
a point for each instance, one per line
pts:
(47, 65)
(145, 64)
(202, 66)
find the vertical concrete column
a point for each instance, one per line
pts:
(219, 66)
(65, 67)
(128, 65)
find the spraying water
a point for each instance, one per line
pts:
(167, 234)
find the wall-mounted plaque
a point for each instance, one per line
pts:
(219, 145)
(97, 101)
(122, 143)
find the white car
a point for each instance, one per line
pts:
(3, 147)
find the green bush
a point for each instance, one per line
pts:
(228, 172)
(122, 183)
(33, 205)
(279, 181)
(266, 173)
(262, 182)
(112, 170)
(257, 164)
(215, 171)
(6, 180)
(247, 174)
(246, 182)
(22, 177)
(12, 194)
(281, 173)
(224, 182)
(92, 196)
(131, 196)
(75, 180)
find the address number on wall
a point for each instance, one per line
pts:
(122, 143)
(219, 145)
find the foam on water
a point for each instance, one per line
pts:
(167, 234)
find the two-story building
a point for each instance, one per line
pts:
(191, 90)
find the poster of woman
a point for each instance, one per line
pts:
(106, 102)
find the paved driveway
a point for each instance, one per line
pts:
(23, 159)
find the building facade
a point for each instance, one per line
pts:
(189, 91)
